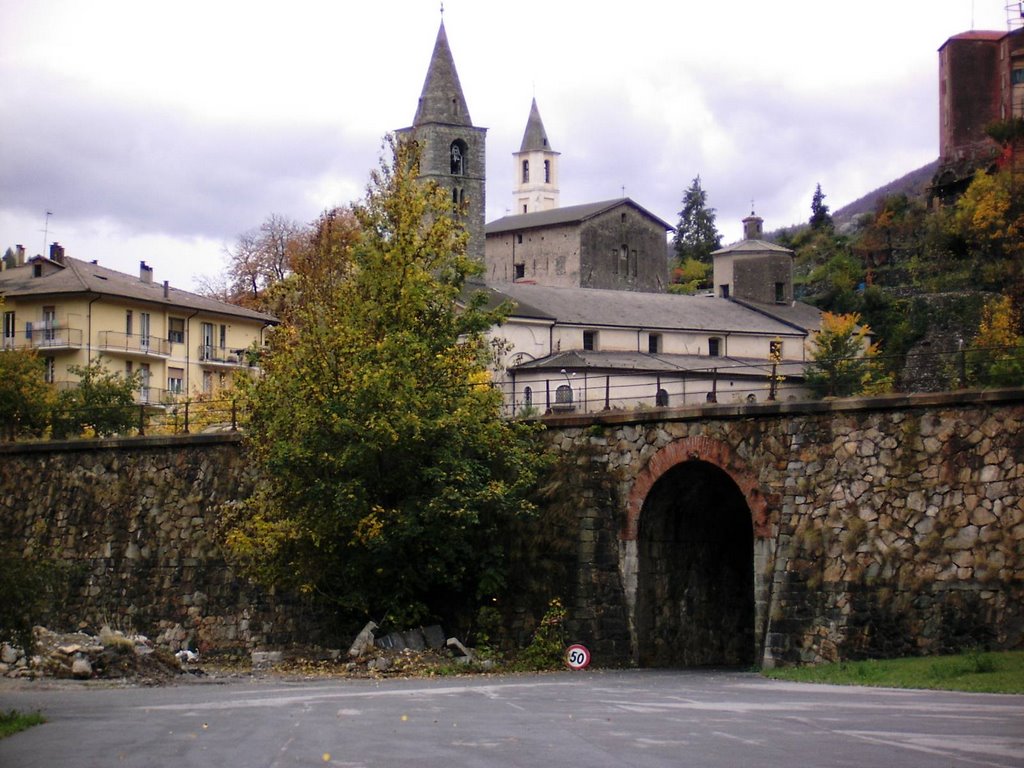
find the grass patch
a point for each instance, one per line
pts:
(14, 721)
(974, 671)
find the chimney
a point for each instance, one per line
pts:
(19, 252)
(167, 288)
(57, 253)
(753, 227)
(145, 272)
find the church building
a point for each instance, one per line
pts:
(593, 326)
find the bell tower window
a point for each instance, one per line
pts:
(458, 157)
(526, 171)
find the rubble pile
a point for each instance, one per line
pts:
(80, 656)
(132, 658)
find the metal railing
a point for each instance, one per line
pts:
(142, 419)
(133, 343)
(54, 338)
(742, 382)
(208, 353)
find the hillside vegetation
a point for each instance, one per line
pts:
(942, 288)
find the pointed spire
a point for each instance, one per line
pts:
(535, 138)
(441, 100)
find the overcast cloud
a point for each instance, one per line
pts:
(161, 132)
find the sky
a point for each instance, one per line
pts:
(161, 132)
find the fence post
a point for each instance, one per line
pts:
(962, 363)
(185, 430)
(142, 420)
(234, 415)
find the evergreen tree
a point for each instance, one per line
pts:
(820, 217)
(696, 235)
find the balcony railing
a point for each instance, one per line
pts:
(209, 354)
(55, 338)
(134, 344)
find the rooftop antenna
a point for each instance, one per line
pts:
(1014, 15)
(623, 190)
(46, 231)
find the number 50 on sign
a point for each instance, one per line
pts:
(577, 656)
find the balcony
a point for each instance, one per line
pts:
(57, 338)
(134, 344)
(223, 357)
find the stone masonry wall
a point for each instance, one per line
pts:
(133, 520)
(882, 526)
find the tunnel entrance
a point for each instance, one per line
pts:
(695, 579)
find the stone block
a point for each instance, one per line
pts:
(434, 636)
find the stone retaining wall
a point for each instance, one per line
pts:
(133, 521)
(883, 526)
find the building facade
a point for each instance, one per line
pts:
(588, 350)
(981, 81)
(72, 312)
(614, 244)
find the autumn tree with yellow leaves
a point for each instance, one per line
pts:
(843, 361)
(386, 472)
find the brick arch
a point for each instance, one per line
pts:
(696, 449)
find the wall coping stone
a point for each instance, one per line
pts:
(728, 411)
(121, 443)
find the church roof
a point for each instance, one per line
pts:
(571, 214)
(752, 246)
(602, 307)
(654, 363)
(535, 138)
(441, 100)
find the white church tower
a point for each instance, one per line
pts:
(536, 169)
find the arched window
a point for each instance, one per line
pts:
(661, 399)
(526, 171)
(563, 395)
(457, 152)
(547, 171)
(528, 397)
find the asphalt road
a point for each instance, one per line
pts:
(592, 718)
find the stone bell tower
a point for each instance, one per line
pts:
(452, 149)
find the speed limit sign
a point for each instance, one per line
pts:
(577, 656)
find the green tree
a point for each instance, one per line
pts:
(690, 276)
(25, 398)
(29, 587)
(843, 363)
(820, 217)
(101, 403)
(387, 473)
(696, 234)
